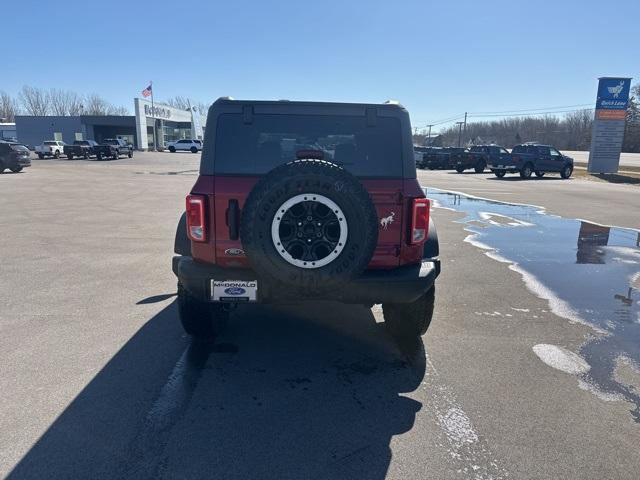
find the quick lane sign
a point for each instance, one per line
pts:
(608, 124)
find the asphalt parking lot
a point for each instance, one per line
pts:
(516, 378)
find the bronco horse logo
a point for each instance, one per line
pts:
(617, 90)
(386, 221)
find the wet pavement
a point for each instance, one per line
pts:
(588, 273)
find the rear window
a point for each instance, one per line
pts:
(271, 140)
(51, 143)
(19, 148)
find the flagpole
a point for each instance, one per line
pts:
(153, 115)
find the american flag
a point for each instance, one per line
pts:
(147, 91)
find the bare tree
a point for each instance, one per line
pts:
(179, 102)
(34, 100)
(95, 105)
(183, 103)
(64, 102)
(8, 107)
(113, 110)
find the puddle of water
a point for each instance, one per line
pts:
(588, 273)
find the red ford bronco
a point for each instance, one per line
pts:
(304, 201)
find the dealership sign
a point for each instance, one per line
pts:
(608, 124)
(613, 93)
(158, 112)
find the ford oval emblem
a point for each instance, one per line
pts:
(234, 252)
(234, 291)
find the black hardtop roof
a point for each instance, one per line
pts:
(391, 106)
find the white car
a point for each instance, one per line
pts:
(50, 148)
(188, 145)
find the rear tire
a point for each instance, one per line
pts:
(410, 320)
(116, 155)
(499, 173)
(199, 319)
(86, 156)
(566, 171)
(98, 156)
(479, 168)
(172, 149)
(69, 157)
(459, 169)
(526, 171)
(56, 154)
(193, 150)
(539, 174)
(41, 156)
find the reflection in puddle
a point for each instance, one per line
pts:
(588, 273)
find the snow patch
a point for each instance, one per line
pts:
(561, 359)
(457, 427)
(604, 396)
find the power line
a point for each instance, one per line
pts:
(532, 114)
(534, 109)
(513, 113)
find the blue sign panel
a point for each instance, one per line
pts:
(613, 93)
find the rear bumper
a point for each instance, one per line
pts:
(505, 167)
(400, 285)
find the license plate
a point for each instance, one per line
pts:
(234, 290)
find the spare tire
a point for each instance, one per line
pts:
(310, 225)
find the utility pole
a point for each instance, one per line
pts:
(429, 134)
(459, 131)
(464, 134)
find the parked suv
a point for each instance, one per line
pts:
(14, 156)
(530, 158)
(193, 146)
(345, 220)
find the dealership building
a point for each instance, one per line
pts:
(170, 124)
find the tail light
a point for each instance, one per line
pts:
(420, 220)
(196, 218)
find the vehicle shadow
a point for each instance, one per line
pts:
(617, 178)
(517, 178)
(288, 392)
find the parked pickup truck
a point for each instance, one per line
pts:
(479, 156)
(443, 158)
(50, 148)
(113, 148)
(420, 153)
(80, 148)
(530, 158)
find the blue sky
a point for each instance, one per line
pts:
(438, 58)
